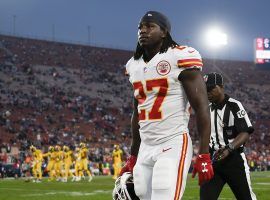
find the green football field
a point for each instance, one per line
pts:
(101, 187)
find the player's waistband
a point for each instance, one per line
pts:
(153, 142)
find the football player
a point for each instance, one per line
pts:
(68, 156)
(58, 166)
(167, 82)
(37, 162)
(84, 161)
(77, 163)
(117, 161)
(51, 162)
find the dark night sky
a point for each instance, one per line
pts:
(113, 23)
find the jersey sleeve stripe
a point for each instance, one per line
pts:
(189, 60)
(191, 64)
(188, 63)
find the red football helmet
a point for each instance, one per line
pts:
(124, 188)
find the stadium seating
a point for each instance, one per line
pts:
(57, 93)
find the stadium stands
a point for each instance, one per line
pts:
(57, 93)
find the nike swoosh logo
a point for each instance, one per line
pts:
(191, 51)
(163, 150)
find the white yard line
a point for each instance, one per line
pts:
(262, 183)
(65, 193)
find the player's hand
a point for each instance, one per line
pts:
(203, 166)
(221, 154)
(128, 167)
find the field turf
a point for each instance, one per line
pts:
(101, 187)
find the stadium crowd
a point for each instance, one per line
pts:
(61, 94)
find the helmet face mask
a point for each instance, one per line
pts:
(124, 188)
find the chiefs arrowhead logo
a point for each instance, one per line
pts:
(163, 68)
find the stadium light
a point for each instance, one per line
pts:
(216, 38)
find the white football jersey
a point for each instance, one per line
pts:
(163, 107)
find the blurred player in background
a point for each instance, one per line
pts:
(77, 164)
(58, 166)
(68, 157)
(51, 156)
(167, 82)
(84, 161)
(117, 160)
(37, 162)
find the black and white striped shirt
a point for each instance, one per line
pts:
(228, 119)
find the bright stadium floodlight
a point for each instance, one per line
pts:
(216, 38)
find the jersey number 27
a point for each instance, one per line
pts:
(155, 113)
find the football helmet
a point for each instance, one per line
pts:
(33, 148)
(124, 188)
(65, 148)
(51, 149)
(82, 145)
(57, 148)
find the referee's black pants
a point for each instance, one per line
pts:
(234, 171)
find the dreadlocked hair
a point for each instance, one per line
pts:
(166, 44)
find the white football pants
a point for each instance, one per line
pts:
(161, 170)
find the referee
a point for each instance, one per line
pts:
(230, 129)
